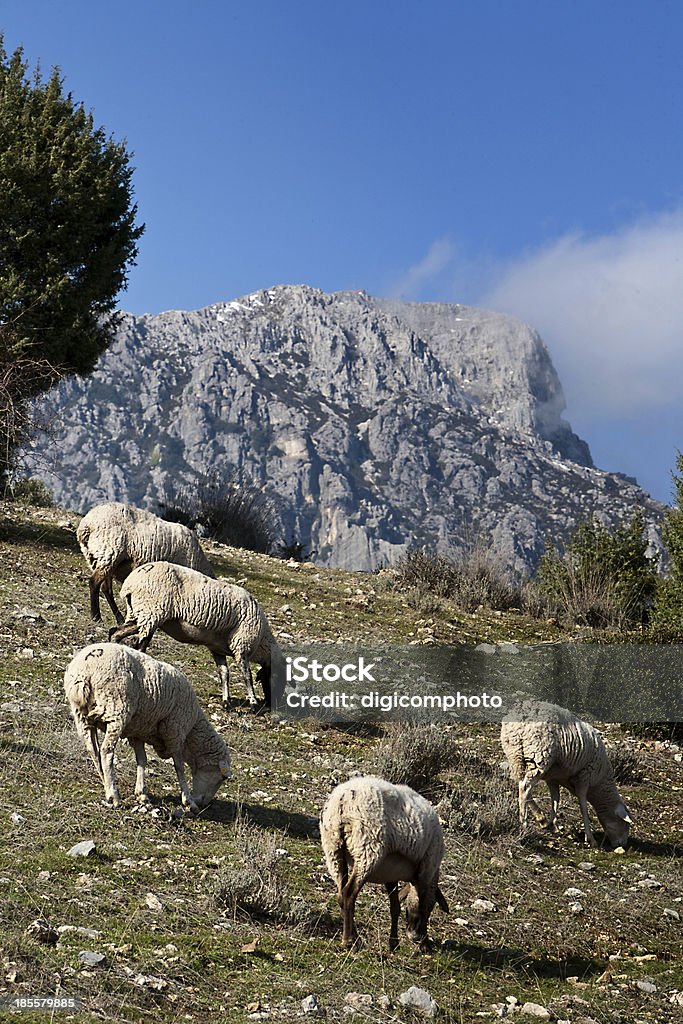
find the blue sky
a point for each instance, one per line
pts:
(522, 156)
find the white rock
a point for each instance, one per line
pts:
(419, 999)
(92, 959)
(484, 906)
(154, 903)
(646, 986)
(311, 1004)
(574, 893)
(536, 1010)
(576, 908)
(673, 914)
(82, 849)
(16, 818)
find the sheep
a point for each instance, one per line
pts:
(115, 538)
(544, 741)
(125, 693)
(374, 831)
(194, 609)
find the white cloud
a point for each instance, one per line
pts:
(438, 258)
(610, 310)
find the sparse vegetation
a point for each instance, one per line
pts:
(33, 491)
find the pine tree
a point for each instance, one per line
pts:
(67, 225)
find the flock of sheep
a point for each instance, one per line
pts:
(371, 830)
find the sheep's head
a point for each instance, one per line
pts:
(616, 822)
(418, 911)
(207, 780)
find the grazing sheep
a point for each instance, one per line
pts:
(115, 538)
(544, 741)
(124, 693)
(374, 831)
(194, 609)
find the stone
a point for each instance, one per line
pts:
(535, 1010)
(420, 1000)
(586, 865)
(312, 1006)
(483, 906)
(646, 986)
(91, 958)
(83, 849)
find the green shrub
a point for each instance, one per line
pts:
(668, 608)
(604, 578)
(31, 490)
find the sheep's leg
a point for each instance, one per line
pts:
(263, 677)
(88, 735)
(581, 791)
(555, 804)
(526, 802)
(188, 802)
(107, 749)
(224, 677)
(248, 681)
(141, 761)
(119, 633)
(348, 905)
(108, 591)
(96, 580)
(395, 909)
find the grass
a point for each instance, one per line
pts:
(200, 953)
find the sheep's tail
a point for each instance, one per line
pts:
(83, 536)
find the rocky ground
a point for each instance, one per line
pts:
(230, 916)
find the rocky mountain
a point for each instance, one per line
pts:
(374, 424)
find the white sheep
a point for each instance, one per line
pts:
(194, 609)
(374, 831)
(545, 742)
(115, 538)
(126, 694)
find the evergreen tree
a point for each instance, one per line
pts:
(67, 226)
(668, 609)
(605, 576)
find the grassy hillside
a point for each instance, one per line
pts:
(231, 916)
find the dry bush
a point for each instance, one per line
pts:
(483, 806)
(415, 755)
(626, 764)
(587, 596)
(225, 509)
(252, 886)
(472, 577)
(423, 601)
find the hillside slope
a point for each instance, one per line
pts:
(230, 916)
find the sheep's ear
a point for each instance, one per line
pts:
(441, 901)
(403, 893)
(623, 812)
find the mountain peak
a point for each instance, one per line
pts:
(373, 423)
